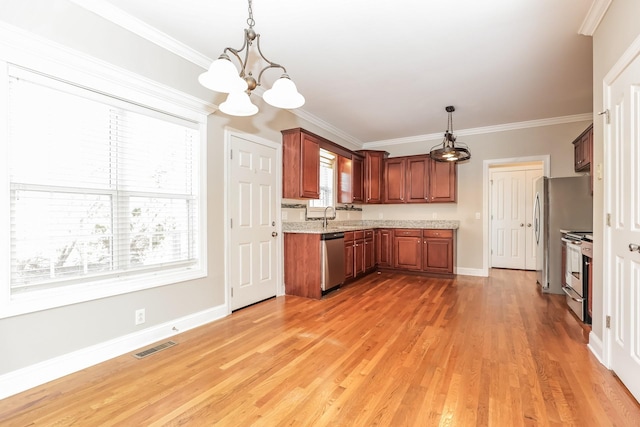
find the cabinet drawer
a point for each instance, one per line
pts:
(437, 233)
(407, 232)
(358, 235)
(348, 236)
(368, 234)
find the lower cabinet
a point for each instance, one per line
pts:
(348, 255)
(384, 245)
(359, 253)
(407, 249)
(428, 251)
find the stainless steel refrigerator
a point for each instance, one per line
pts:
(559, 204)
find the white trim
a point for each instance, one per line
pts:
(31, 376)
(595, 14)
(486, 191)
(482, 130)
(119, 17)
(596, 347)
(629, 55)
(471, 272)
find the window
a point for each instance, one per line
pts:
(327, 181)
(101, 190)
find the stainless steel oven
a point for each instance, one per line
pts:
(574, 283)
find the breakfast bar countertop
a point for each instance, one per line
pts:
(315, 227)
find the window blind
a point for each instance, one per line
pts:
(327, 180)
(99, 187)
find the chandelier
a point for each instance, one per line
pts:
(448, 150)
(223, 76)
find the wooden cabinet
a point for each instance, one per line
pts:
(369, 251)
(587, 252)
(437, 251)
(373, 171)
(442, 182)
(384, 245)
(583, 150)
(394, 179)
(350, 181)
(407, 249)
(357, 179)
(406, 179)
(358, 253)
(301, 164)
(348, 255)
(302, 265)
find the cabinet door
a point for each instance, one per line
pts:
(357, 182)
(358, 257)
(437, 251)
(310, 167)
(373, 169)
(394, 176)
(417, 179)
(345, 180)
(348, 260)
(369, 251)
(384, 246)
(442, 182)
(407, 249)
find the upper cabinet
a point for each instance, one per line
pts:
(583, 150)
(442, 182)
(357, 179)
(350, 182)
(373, 170)
(301, 160)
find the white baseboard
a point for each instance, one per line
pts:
(31, 376)
(471, 272)
(596, 347)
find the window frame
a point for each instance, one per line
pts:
(318, 211)
(71, 67)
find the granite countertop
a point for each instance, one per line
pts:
(315, 227)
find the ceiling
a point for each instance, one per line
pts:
(376, 70)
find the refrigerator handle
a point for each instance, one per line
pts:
(536, 218)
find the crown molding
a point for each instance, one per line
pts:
(594, 16)
(482, 130)
(119, 17)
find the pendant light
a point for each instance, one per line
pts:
(448, 150)
(223, 76)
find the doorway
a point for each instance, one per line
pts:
(253, 213)
(511, 215)
(543, 161)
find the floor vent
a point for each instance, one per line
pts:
(152, 350)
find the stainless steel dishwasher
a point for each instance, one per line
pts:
(332, 260)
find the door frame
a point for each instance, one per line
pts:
(228, 134)
(629, 55)
(486, 192)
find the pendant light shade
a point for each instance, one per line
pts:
(448, 150)
(284, 94)
(222, 76)
(238, 104)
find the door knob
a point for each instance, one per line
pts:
(529, 224)
(633, 247)
(521, 225)
(274, 234)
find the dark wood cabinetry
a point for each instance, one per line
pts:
(407, 249)
(587, 252)
(373, 171)
(442, 182)
(437, 251)
(357, 179)
(384, 246)
(302, 265)
(417, 179)
(350, 185)
(369, 251)
(348, 255)
(301, 161)
(359, 253)
(394, 179)
(583, 150)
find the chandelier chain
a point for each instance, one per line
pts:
(250, 21)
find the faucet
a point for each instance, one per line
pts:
(325, 220)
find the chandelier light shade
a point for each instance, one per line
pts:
(448, 150)
(223, 76)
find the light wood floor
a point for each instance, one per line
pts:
(389, 350)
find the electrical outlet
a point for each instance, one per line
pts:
(140, 316)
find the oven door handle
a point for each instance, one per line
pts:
(568, 289)
(573, 242)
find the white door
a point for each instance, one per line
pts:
(622, 198)
(253, 237)
(530, 240)
(508, 219)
